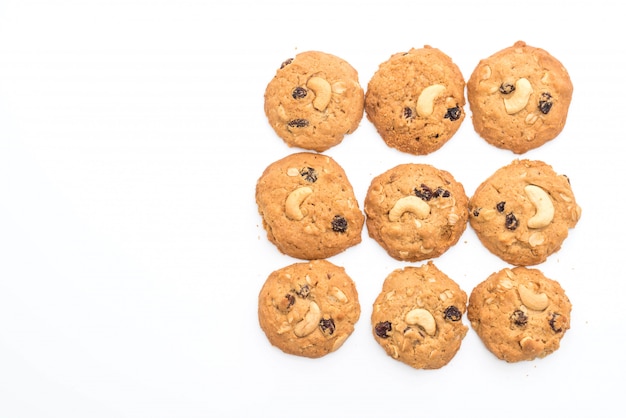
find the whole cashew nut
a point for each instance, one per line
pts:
(322, 90)
(426, 99)
(309, 323)
(422, 318)
(411, 204)
(532, 300)
(294, 201)
(543, 204)
(516, 101)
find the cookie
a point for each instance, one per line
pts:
(415, 100)
(519, 314)
(314, 100)
(308, 206)
(415, 211)
(417, 317)
(308, 309)
(519, 97)
(523, 212)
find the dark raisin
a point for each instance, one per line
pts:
(476, 212)
(545, 103)
(407, 113)
(287, 302)
(339, 224)
(424, 192)
(453, 113)
(511, 222)
(304, 291)
(327, 326)
(382, 328)
(553, 322)
(500, 206)
(299, 93)
(286, 63)
(441, 193)
(452, 313)
(507, 88)
(298, 123)
(290, 300)
(309, 174)
(519, 318)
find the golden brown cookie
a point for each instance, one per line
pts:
(519, 97)
(314, 100)
(415, 100)
(308, 206)
(416, 211)
(308, 309)
(522, 213)
(519, 314)
(417, 317)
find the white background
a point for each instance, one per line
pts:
(132, 134)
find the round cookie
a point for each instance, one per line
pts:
(308, 309)
(417, 317)
(519, 314)
(308, 206)
(415, 100)
(314, 100)
(522, 213)
(416, 211)
(519, 97)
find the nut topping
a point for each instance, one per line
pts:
(518, 98)
(426, 99)
(532, 300)
(422, 318)
(412, 204)
(294, 201)
(543, 204)
(310, 321)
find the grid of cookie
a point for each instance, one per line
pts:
(535, 99)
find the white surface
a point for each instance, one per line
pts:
(132, 134)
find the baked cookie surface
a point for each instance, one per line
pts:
(519, 314)
(416, 211)
(308, 206)
(417, 317)
(519, 97)
(523, 212)
(415, 100)
(308, 309)
(314, 100)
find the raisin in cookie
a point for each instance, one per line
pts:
(519, 98)
(308, 309)
(417, 317)
(519, 314)
(308, 206)
(522, 212)
(314, 100)
(416, 211)
(415, 100)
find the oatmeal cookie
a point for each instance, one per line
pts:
(416, 211)
(519, 314)
(519, 97)
(523, 212)
(308, 206)
(417, 317)
(314, 100)
(308, 309)
(415, 100)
